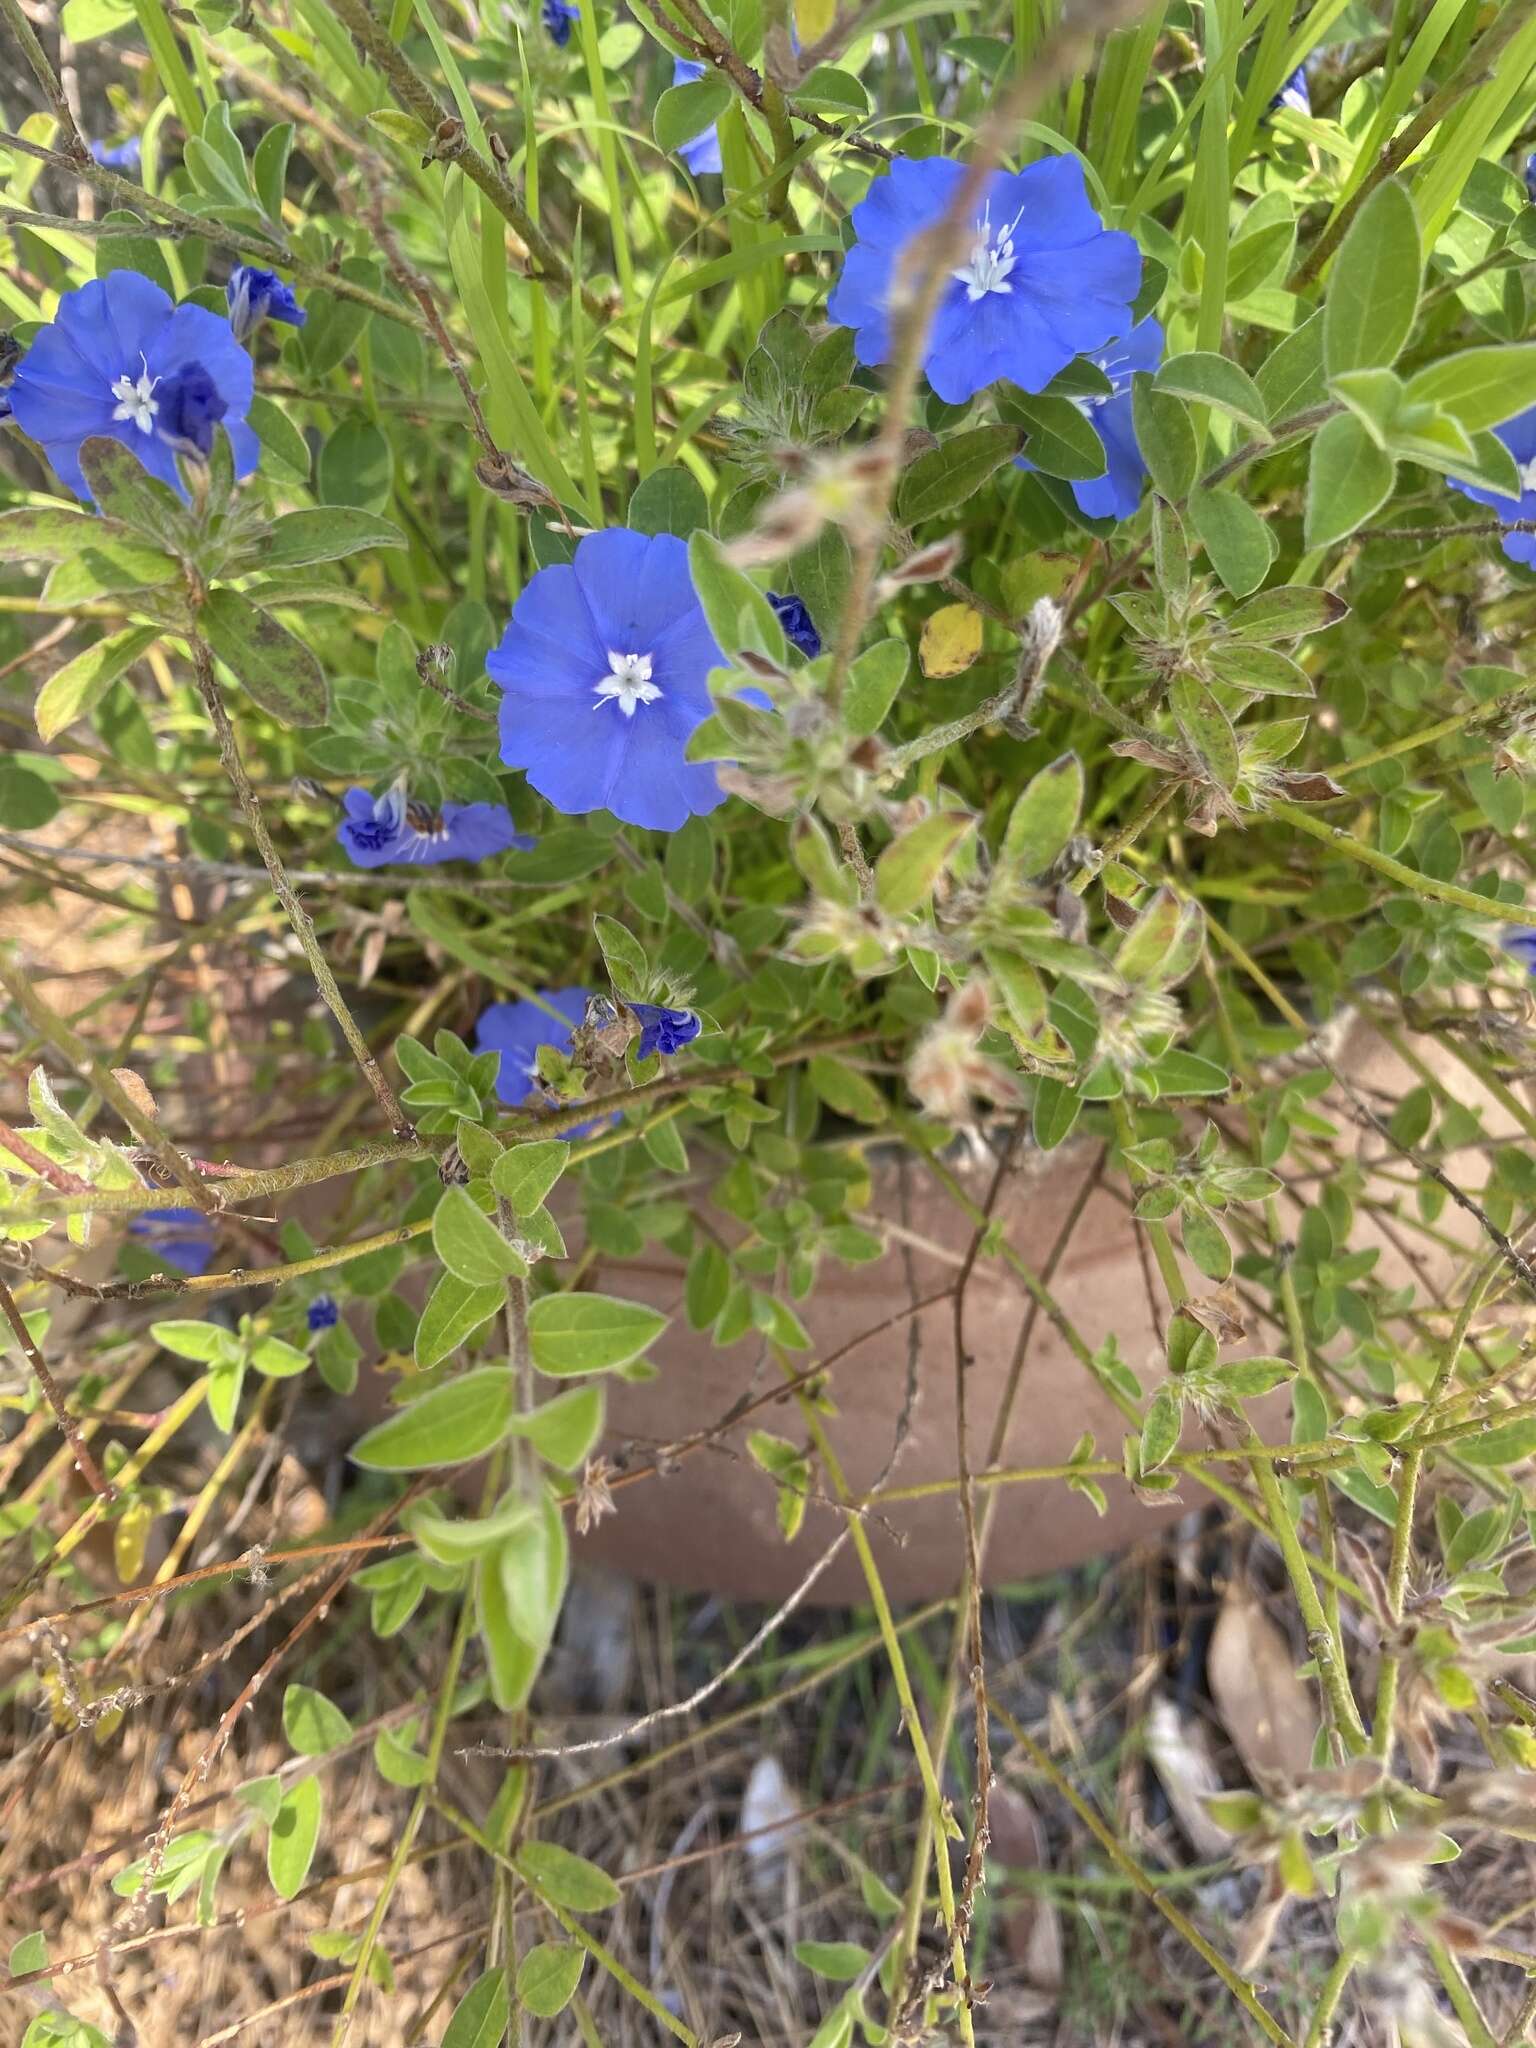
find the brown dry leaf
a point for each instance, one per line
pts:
(1220, 1312)
(1267, 1710)
(1180, 1753)
(135, 1088)
(1031, 1927)
(951, 640)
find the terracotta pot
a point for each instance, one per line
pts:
(710, 1525)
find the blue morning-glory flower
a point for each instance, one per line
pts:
(389, 830)
(120, 156)
(799, 627)
(603, 674)
(662, 1030)
(322, 1313)
(702, 153)
(182, 1238)
(1519, 437)
(1043, 281)
(1295, 93)
(517, 1030)
(559, 18)
(1520, 941)
(1530, 179)
(255, 295)
(1117, 493)
(120, 359)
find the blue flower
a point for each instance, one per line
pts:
(322, 1313)
(702, 153)
(1043, 281)
(664, 1031)
(517, 1030)
(1519, 437)
(1294, 94)
(799, 627)
(255, 295)
(558, 18)
(119, 359)
(1530, 179)
(1117, 493)
(385, 831)
(182, 1238)
(603, 671)
(120, 156)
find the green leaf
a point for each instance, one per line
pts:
(576, 1333)
(946, 476)
(1287, 612)
(30, 1953)
(1165, 437)
(846, 1090)
(1218, 381)
(1059, 438)
(106, 567)
(911, 865)
(1349, 479)
(269, 170)
(263, 1796)
(564, 1431)
(78, 687)
(708, 1283)
(874, 678)
(1186, 1073)
(470, 1245)
(566, 1880)
(482, 2015)
(548, 1975)
(1510, 1443)
(535, 1562)
(461, 1542)
(313, 1724)
(276, 1360)
(357, 464)
(271, 666)
(1044, 818)
(295, 1832)
(125, 491)
(1373, 285)
(39, 533)
(1160, 1432)
(1056, 1109)
(327, 534)
(670, 499)
(454, 1311)
(1290, 378)
(739, 615)
(513, 1663)
(623, 956)
(398, 1761)
(1481, 387)
(1206, 1243)
(842, 1961)
(462, 1419)
(202, 1342)
(1237, 540)
(1206, 726)
(524, 1174)
(684, 111)
(26, 800)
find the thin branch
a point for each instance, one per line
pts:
(303, 924)
(85, 1464)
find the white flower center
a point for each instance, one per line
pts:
(627, 683)
(1526, 471)
(992, 260)
(135, 400)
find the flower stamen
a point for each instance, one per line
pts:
(627, 684)
(135, 399)
(991, 262)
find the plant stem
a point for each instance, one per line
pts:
(303, 924)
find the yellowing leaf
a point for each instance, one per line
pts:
(813, 18)
(951, 641)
